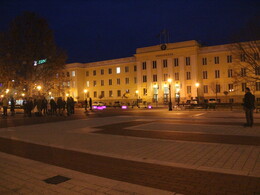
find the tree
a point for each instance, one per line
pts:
(246, 54)
(30, 39)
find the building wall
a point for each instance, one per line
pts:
(148, 73)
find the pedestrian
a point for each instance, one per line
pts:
(90, 103)
(5, 106)
(30, 106)
(86, 105)
(39, 106)
(60, 105)
(25, 107)
(12, 106)
(249, 106)
(53, 107)
(44, 106)
(72, 105)
(68, 104)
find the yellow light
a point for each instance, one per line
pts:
(177, 85)
(2, 95)
(23, 94)
(197, 84)
(177, 90)
(169, 80)
(7, 90)
(50, 93)
(85, 90)
(136, 91)
(155, 86)
(67, 94)
(39, 87)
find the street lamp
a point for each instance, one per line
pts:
(85, 91)
(197, 86)
(7, 91)
(170, 94)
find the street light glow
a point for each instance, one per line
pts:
(39, 87)
(137, 91)
(169, 80)
(85, 90)
(23, 94)
(197, 84)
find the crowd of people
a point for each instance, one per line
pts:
(40, 106)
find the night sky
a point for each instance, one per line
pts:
(94, 30)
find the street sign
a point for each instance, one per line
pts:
(42, 61)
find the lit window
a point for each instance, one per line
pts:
(87, 83)
(73, 74)
(117, 70)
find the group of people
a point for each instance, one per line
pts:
(40, 106)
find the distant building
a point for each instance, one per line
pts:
(196, 72)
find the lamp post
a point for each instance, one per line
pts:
(85, 92)
(39, 89)
(170, 94)
(136, 93)
(197, 86)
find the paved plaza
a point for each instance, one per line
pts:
(135, 151)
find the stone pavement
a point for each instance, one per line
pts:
(240, 162)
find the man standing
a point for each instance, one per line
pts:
(90, 103)
(5, 106)
(249, 106)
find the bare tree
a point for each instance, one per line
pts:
(29, 39)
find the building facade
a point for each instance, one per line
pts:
(195, 72)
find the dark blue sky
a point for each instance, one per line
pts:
(93, 30)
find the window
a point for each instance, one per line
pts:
(165, 77)
(118, 70)
(216, 59)
(94, 72)
(73, 73)
(242, 57)
(126, 69)
(176, 62)
(176, 75)
(188, 77)
(135, 68)
(155, 78)
(187, 60)
(87, 73)
(73, 84)
(135, 80)
(205, 88)
(68, 83)
(257, 86)
(217, 75)
(102, 82)
(165, 63)
(217, 88)
(205, 75)
(118, 93)
(126, 80)
(118, 81)
(144, 79)
(204, 61)
(230, 73)
(188, 89)
(229, 59)
(144, 65)
(243, 86)
(230, 87)
(95, 94)
(154, 64)
(94, 83)
(68, 74)
(110, 71)
(144, 91)
(87, 83)
(243, 72)
(102, 94)
(110, 93)
(257, 70)
(102, 71)
(110, 82)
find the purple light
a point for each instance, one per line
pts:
(100, 107)
(124, 107)
(94, 107)
(104, 107)
(149, 107)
